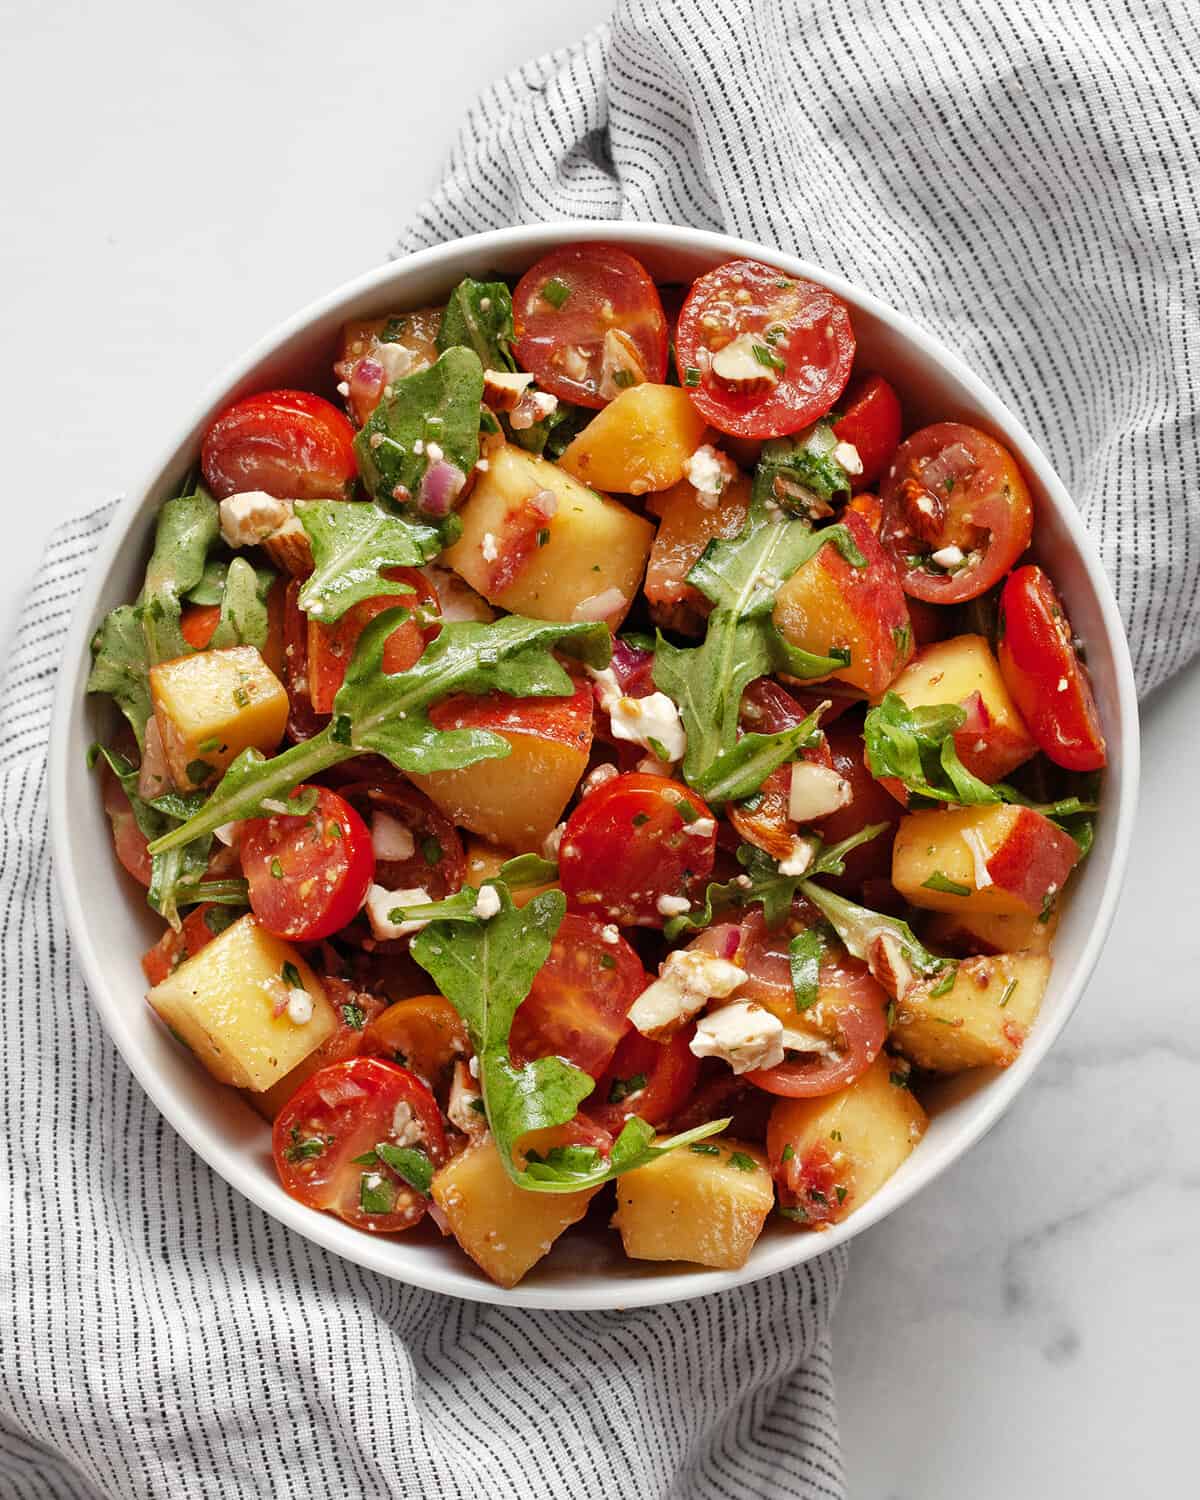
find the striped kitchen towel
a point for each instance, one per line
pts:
(1005, 174)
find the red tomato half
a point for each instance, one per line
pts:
(651, 1079)
(308, 874)
(438, 863)
(871, 421)
(290, 444)
(345, 1112)
(1042, 671)
(330, 647)
(579, 1003)
(951, 485)
(627, 847)
(804, 334)
(566, 305)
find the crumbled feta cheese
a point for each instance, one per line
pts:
(610, 933)
(405, 1130)
(709, 471)
(534, 406)
(433, 452)
(249, 517)
(799, 859)
(419, 446)
(381, 901)
(673, 906)
(473, 1067)
(460, 1108)
(553, 841)
(641, 720)
(947, 557)
(687, 980)
(610, 601)
(545, 502)
(743, 1034)
(1062, 685)
(343, 388)
(397, 361)
(700, 828)
(815, 792)
(489, 548)
(595, 779)
(390, 838)
(847, 455)
(299, 1007)
(487, 903)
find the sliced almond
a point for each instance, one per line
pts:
(740, 370)
(815, 792)
(620, 366)
(290, 549)
(502, 389)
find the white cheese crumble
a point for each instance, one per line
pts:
(396, 360)
(687, 980)
(610, 601)
(709, 471)
(553, 840)
(700, 828)
(487, 903)
(641, 720)
(610, 933)
(248, 518)
(673, 906)
(815, 792)
(381, 901)
(847, 455)
(488, 547)
(947, 557)
(390, 838)
(743, 1034)
(299, 1007)
(405, 1130)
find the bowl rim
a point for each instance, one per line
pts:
(670, 1284)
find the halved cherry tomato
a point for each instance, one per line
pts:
(651, 1079)
(290, 444)
(566, 305)
(424, 1033)
(768, 709)
(197, 624)
(579, 1003)
(871, 421)
(628, 850)
(344, 1113)
(330, 647)
(438, 863)
(308, 874)
(952, 486)
(173, 947)
(1042, 671)
(128, 839)
(804, 334)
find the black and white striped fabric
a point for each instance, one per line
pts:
(1017, 177)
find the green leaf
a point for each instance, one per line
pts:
(409, 1162)
(243, 619)
(376, 1193)
(524, 870)
(741, 577)
(187, 527)
(740, 772)
(439, 405)
(859, 929)
(387, 712)
(478, 316)
(804, 958)
(801, 474)
(763, 885)
(916, 746)
(797, 662)
(939, 882)
(119, 666)
(561, 428)
(211, 588)
(568, 1169)
(352, 543)
(231, 892)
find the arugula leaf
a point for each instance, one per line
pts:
(797, 662)
(527, 869)
(211, 588)
(387, 712)
(436, 405)
(243, 619)
(916, 746)
(187, 527)
(479, 316)
(563, 426)
(119, 666)
(486, 969)
(804, 960)
(763, 884)
(801, 474)
(352, 543)
(859, 928)
(216, 892)
(740, 772)
(741, 577)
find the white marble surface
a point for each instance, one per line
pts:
(181, 175)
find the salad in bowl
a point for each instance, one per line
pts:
(599, 760)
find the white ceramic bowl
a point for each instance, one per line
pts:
(112, 926)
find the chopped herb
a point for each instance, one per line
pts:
(835, 1135)
(622, 1088)
(354, 1016)
(607, 961)
(393, 330)
(276, 869)
(767, 357)
(291, 976)
(899, 1078)
(639, 818)
(902, 636)
(686, 811)
(304, 1149)
(218, 918)
(939, 882)
(376, 1194)
(367, 1159)
(241, 697)
(703, 1148)
(431, 850)
(889, 1014)
(478, 1105)
(555, 292)
(817, 1195)
(742, 1162)
(622, 379)
(198, 771)
(841, 1194)
(945, 984)
(691, 376)
(409, 1162)
(1009, 988)
(1047, 908)
(800, 1215)
(207, 746)
(543, 536)
(788, 1152)
(659, 749)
